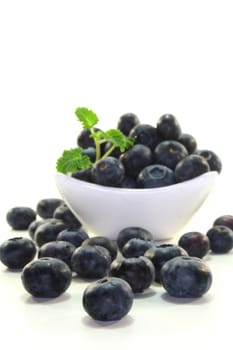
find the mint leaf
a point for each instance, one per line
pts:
(87, 117)
(118, 139)
(72, 160)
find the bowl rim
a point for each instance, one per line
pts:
(212, 174)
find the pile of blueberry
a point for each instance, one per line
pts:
(161, 155)
(58, 248)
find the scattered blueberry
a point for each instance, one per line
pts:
(103, 241)
(46, 207)
(108, 299)
(46, 277)
(64, 214)
(220, 238)
(195, 243)
(19, 218)
(75, 237)
(224, 220)
(48, 232)
(91, 262)
(186, 277)
(57, 249)
(36, 223)
(136, 247)
(130, 232)
(16, 252)
(160, 254)
(138, 272)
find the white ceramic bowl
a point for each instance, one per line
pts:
(163, 211)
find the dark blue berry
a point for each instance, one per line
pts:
(145, 134)
(220, 238)
(169, 153)
(155, 176)
(83, 174)
(46, 207)
(212, 159)
(195, 243)
(46, 277)
(108, 299)
(48, 232)
(36, 223)
(19, 218)
(16, 252)
(138, 272)
(90, 152)
(128, 182)
(75, 237)
(168, 127)
(130, 232)
(91, 262)
(160, 254)
(64, 214)
(189, 142)
(135, 159)
(190, 167)
(127, 122)
(136, 247)
(108, 171)
(103, 241)
(224, 220)
(186, 277)
(84, 138)
(57, 249)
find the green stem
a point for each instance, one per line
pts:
(97, 145)
(109, 151)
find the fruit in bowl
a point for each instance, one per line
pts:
(148, 176)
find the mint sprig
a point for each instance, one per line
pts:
(74, 159)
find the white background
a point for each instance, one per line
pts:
(146, 57)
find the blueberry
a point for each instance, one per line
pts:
(130, 232)
(127, 122)
(145, 134)
(195, 243)
(155, 176)
(84, 138)
(57, 249)
(108, 171)
(48, 232)
(64, 214)
(75, 237)
(103, 241)
(46, 207)
(135, 159)
(36, 223)
(136, 247)
(19, 218)
(128, 182)
(90, 152)
(91, 262)
(220, 238)
(138, 272)
(16, 252)
(169, 153)
(115, 153)
(190, 167)
(189, 142)
(212, 159)
(83, 174)
(46, 277)
(168, 127)
(224, 220)
(160, 254)
(108, 299)
(186, 277)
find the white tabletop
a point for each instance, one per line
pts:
(146, 57)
